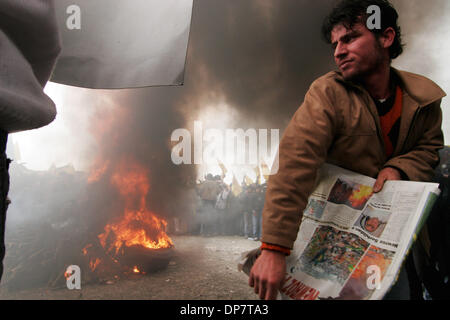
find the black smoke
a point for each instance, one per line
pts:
(259, 56)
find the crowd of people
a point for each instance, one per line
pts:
(225, 209)
(220, 211)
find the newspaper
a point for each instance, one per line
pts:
(352, 242)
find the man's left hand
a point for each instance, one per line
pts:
(385, 175)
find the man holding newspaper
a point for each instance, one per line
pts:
(368, 118)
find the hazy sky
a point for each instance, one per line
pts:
(426, 30)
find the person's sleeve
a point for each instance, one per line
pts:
(33, 28)
(419, 163)
(29, 47)
(302, 151)
(271, 247)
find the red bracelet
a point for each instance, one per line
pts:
(267, 246)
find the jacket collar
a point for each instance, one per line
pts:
(418, 92)
(421, 90)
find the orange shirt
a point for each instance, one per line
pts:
(390, 122)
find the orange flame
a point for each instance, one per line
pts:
(85, 249)
(135, 269)
(94, 263)
(138, 225)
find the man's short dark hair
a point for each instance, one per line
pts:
(351, 12)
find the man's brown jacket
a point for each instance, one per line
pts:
(338, 123)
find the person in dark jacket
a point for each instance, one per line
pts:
(29, 47)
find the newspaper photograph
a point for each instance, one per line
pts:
(352, 242)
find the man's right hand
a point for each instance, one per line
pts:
(268, 273)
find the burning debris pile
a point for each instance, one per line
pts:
(135, 240)
(132, 240)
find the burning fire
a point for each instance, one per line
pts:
(85, 249)
(94, 263)
(137, 226)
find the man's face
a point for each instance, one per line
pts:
(357, 52)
